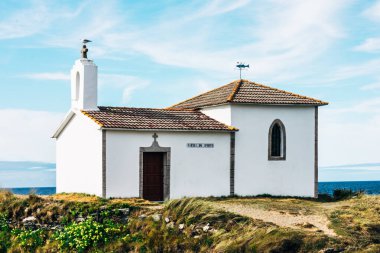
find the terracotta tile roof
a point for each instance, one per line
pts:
(246, 92)
(159, 119)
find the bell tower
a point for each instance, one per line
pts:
(84, 82)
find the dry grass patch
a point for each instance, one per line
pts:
(134, 202)
(285, 205)
(358, 220)
(75, 197)
(5, 195)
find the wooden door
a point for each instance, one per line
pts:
(153, 176)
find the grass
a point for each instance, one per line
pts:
(193, 225)
(358, 220)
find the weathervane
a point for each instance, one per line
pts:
(241, 66)
(84, 48)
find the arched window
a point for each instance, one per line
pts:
(277, 141)
(77, 85)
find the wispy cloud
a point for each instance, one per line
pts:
(25, 22)
(371, 45)
(60, 76)
(367, 68)
(36, 18)
(371, 86)
(192, 41)
(273, 47)
(369, 106)
(218, 7)
(373, 12)
(128, 84)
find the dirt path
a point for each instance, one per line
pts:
(284, 219)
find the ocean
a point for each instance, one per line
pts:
(370, 187)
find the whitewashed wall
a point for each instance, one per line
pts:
(193, 172)
(79, 157)
(255, 174)
(221, 113)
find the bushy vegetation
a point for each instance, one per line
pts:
(29, 239)
(85, 223)
(5, 233)
(89, 233)
(340, 194)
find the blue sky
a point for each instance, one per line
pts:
(156, 53)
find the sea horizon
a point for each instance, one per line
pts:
(371, 187)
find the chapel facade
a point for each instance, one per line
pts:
(243, 138)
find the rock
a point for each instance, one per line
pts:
(167, 220)
(142, 216)
(30, 222)
(206, 228)
(170, 225)
(80, 219)
(57, 227)
(157, 216)
(181, 226)
(331, 250)
(306, 225)
(124, 211)
(30, 219)
(213, 230)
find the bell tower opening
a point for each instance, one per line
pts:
(77, 86)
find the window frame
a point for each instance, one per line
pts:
(282, 156)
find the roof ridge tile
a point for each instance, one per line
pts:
(291, 93)
(236, 88)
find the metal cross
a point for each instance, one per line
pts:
(155, 136)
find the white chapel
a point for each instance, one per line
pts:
(242, 138)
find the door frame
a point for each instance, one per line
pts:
(166, 167)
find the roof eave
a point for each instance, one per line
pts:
(250, 103)
(281, 104)
(63, 124)
(233, 129)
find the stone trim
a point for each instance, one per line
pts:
(283, 143)
(155, 147)
(232, 164)
(104, 163)
(316, 152)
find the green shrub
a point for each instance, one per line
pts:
(5, 233)
(86, 234)
(29, 239)
(340, 194)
